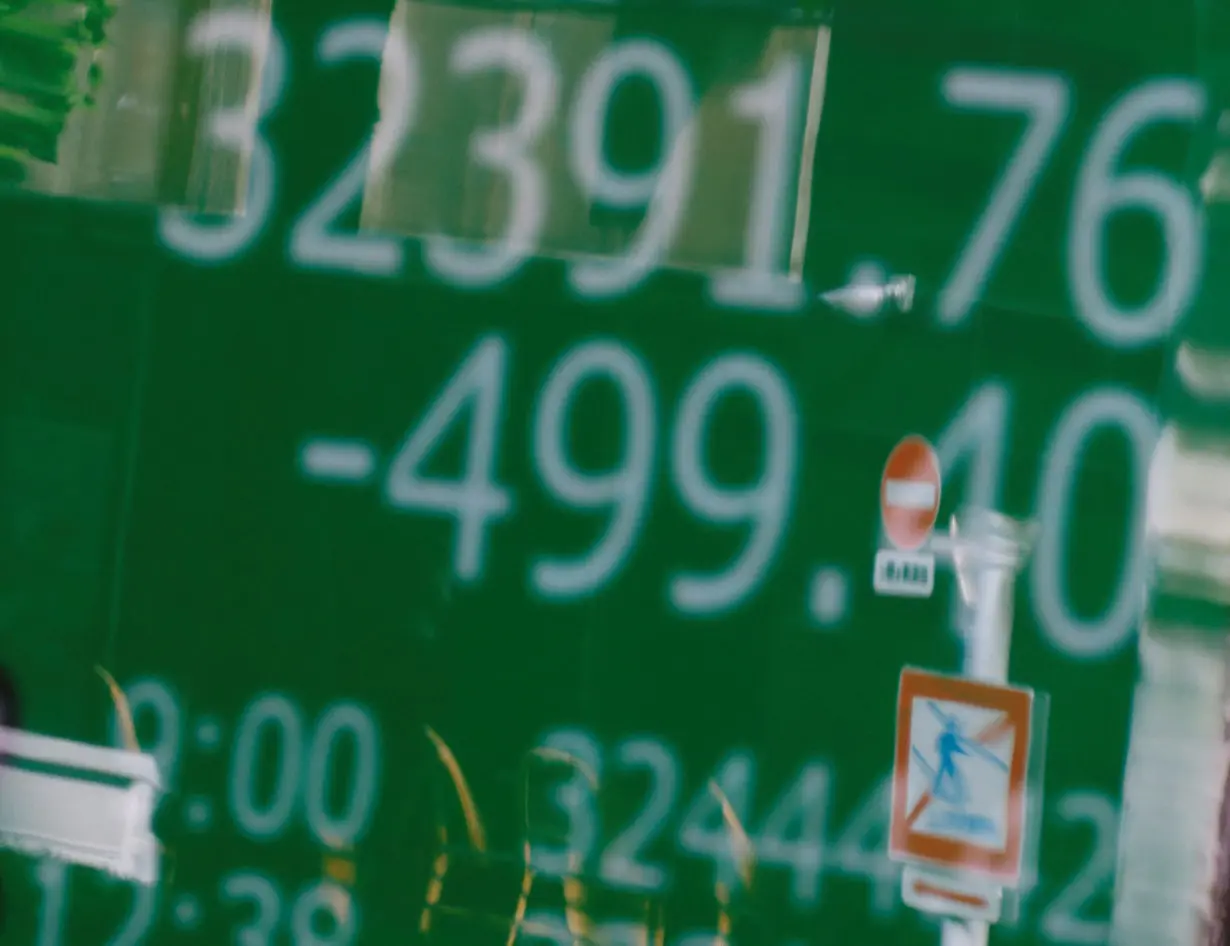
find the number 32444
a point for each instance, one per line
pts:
(790, 836)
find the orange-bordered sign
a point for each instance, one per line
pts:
(910, 493)
(959, 774)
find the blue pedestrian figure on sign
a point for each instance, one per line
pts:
(947, 780)
(948, 785)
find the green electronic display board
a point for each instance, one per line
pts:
(504, 432)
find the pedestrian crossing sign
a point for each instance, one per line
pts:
(959, 775)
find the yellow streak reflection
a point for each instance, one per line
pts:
(340, 869)
(576, 919)
(474, 825)
(659, 932)
(339, 899)
(435, 884)
(527, 883)
(128, 729)
(745, 856)
(722, 894)
(123, 712)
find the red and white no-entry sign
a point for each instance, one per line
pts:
(910, 493)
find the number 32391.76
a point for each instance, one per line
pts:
(319, 242)
(475, 499)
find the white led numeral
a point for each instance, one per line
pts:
(314, 243)
(974, 445)
(663, 189)
(624, 489)
(971, 452)
(861, 850)
(577, 759)
(272, 727)
(340, 724)
(1085, 638)
(763, 282)
(1067, 918)
(155, 700)
(1044, 101)
(322, 915)
(475, 499)
(238, 128)
(1102, 191)
(704, 828)
(54, 880)
(508, 150)
(764, 505)
(622, 863)
(791, 835)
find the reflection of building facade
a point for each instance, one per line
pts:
(1173, 883)
(142, 141)
(435, 186)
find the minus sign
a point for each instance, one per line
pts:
(339, 461)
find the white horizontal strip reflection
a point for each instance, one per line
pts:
(910, 494)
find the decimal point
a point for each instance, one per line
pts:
(208, 734)
(828, 596)
(187, 912)
(198, 813)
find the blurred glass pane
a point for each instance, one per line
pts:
(435, 185)
(107, 100)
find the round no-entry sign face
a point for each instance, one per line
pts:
(910, 493)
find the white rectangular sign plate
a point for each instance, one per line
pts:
(904, 574)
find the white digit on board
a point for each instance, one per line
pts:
(140, 918)
(348, 824)
(792, 835)
(1102, 191)
(1101, 635)
(52, 879)
(153, 697)
(624, 489)
(474, 500)
(1064, 921)
(314, 243)
(576, 752)
(705, 831)
(334, 902)
(861, 850)
(775, 102)
(547, 926)
(239, 129)
(1044, 101)
(664, 188)
(507, 150)
(276, 713)
(260, 891)
(764, 504)
(621, 862)
(553, 926)
(976, 441)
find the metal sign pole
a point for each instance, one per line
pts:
(962, 882)
(987, 563)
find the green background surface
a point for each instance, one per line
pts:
(154, 520)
